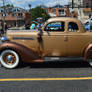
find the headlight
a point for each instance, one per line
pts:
(4, 39)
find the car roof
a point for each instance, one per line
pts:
(62, 19)
(67, 19)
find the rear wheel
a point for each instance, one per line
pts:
(90, 62)
(9, 59)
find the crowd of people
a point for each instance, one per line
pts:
(33, 25)
(88, 23)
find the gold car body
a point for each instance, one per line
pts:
(60, 44)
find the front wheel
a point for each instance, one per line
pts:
(9, 59)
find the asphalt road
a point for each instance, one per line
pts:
(53, 78)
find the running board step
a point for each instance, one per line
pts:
(62, 59)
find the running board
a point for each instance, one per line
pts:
(54, 59)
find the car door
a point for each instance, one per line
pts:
(53, 39)
(76, 40)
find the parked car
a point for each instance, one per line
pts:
(59, 37)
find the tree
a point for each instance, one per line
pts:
(39, 12)
(8, 6)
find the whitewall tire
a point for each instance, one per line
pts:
(9, 59)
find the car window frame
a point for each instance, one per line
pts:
(73, 31)
(53, 22)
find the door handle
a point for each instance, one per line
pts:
(65, 38)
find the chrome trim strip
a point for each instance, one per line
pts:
(23, 38)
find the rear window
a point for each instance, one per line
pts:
(73, 27)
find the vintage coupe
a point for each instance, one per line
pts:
(59, 37)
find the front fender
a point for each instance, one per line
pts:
(26, 54)
(88, 52)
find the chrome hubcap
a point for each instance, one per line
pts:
(9, 58)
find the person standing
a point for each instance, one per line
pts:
(5, 28)
(90, 21)
(33, 26)
(1, 29)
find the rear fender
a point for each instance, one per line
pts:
(88, 52)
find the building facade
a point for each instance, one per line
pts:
(83, 8)
(13, 17)
(57, 10)
(76, 8)
(87, 10)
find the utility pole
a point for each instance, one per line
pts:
(4, 14)
(72, 4)
(30, 12)
(30, 6)
(91, 4)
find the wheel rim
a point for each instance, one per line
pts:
(9, 59)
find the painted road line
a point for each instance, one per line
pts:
(44, 79)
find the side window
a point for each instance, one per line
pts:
(72, 27)
(55, 26)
